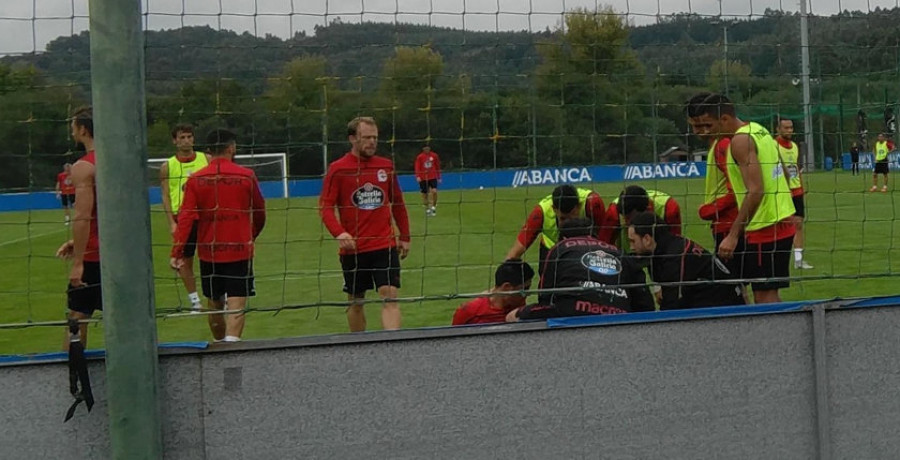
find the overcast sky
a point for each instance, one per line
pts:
(27, 26)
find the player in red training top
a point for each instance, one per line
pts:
(428, 175)
(511, 276)
(224, 202)
(566, 202)
(365, 190)
(65, 191)
(84, 248)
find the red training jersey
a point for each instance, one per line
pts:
(367, 194)
(479, 311)
(722, 212)
(224, 200)
(428, 166)
(65, 184)
(534, 224)
(92, 251)
(614, 226)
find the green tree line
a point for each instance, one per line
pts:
(595, 90)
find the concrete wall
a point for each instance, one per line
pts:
(728, 387)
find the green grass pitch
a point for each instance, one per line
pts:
(852, 238)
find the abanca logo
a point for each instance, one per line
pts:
(661, 171)
(551, 176)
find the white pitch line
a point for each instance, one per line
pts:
(31, 237)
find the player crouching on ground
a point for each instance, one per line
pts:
(224, 201)
(675, 260)
(611, 283)
(512, 276)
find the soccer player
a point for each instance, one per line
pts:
(675, 260)
(566, 202)
(84, 295)
(609, 283)
(511, 276)
(65, 191)
(224, 202)
(854, 159)
(883, 147)
(173, 176)
(428, 174)
(764, 202)
(789, 154)
(364, 188)
(633, 200)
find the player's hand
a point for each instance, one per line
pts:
(513, 316)
(58, 195)
(346, 241)
(404, 249)
(726, 247)
(66, 250)
(172, 227)
(176, 263)
(76, 273)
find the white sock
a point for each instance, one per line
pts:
(798, 254)
(193, 297)
(231, 338)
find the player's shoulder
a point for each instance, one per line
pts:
(382, 162)
(475, 305)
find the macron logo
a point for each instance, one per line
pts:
(661, 171)
(551, 176)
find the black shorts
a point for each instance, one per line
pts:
(88, 298)
(427, 184)
(190, 246)
(368, 270)
(882, 167)
(234, 279)
(67, 200)
(799, 206)
(735, 264)
(769, 260)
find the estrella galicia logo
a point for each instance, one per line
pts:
(602, 262)
(368, 197)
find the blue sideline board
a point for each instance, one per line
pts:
(867, 161)
(501, 178)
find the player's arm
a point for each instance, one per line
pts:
(673, 217)
(327, 201)
(595, 210)
(530, 231)
(401, 217)
(744, 152)
(186, 217)
(82, 177)
(437, 166)
(711, 211)
(257, 207)
(58, 191)
(638, 292)
(166, 200)
(610, 228)
(417, 166)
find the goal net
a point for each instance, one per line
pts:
(271, 170)
(515, 97)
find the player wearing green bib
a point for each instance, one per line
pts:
(883, 147)
(762, 193)
(173, 175)
(789, 153)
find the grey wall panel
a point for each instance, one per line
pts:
(864, 379)
(181, 404)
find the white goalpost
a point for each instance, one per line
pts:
(269, 167)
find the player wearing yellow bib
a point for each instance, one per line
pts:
(789, 153)
(762, 193)
(173, 175)
(883, 147)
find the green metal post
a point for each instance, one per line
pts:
(120, 120)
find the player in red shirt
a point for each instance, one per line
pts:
(224, 201)
(563, 204)
(83, 249)
(365, 190)
(65, 191)
(428, 175)
(511, 276)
